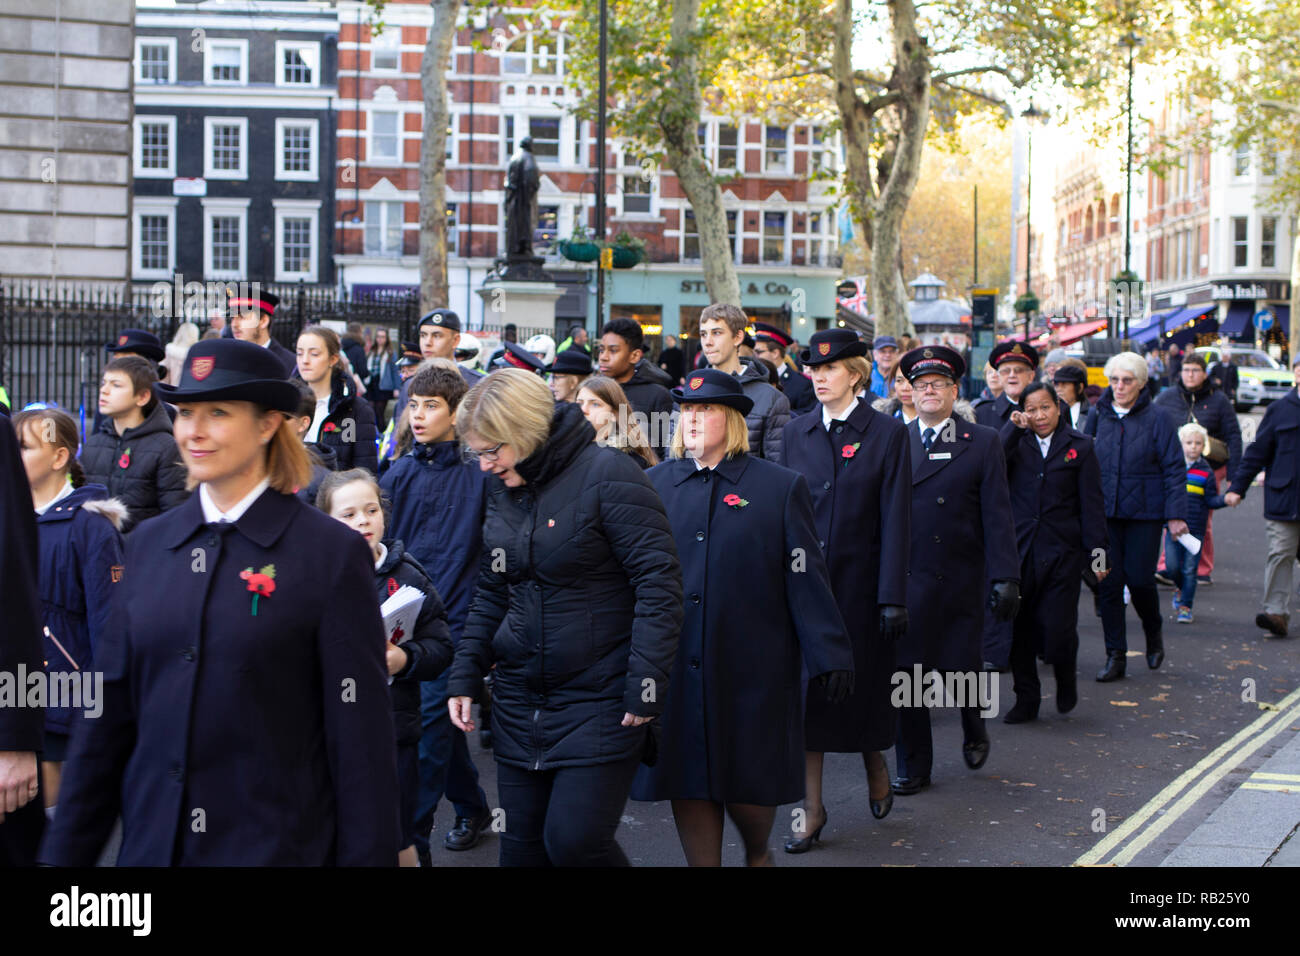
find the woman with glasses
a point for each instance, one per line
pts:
(1143, 483)
(579, 605)
(856, 462)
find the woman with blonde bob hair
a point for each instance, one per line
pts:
(243, 658)
(578, 605)
(733, 721)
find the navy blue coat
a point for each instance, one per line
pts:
(579, 604)
(862, 507)
(438, 503)
(277, 726)
(757, 595)
(21, 728)
(1212, 409)
(1143, 475)
(81, 561)
(1276, 451)
(961, 540)
(360, 449)
(288, 358)
(428, 650)
(798, 390)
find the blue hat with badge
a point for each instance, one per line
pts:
(830, 345)
(444, 318)
(138, 342)
(517, 356)
(709, 386)
(932, 360)
(232, 370)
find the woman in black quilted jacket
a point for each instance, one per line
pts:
(579, 605)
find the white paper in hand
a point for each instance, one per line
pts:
(1190, 542)
(400, 612)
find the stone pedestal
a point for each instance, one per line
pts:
(529, 305)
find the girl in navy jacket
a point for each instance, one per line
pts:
(79, 532)
(353, 497)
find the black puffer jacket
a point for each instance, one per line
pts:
(766, 420)
(429, 649)
(581, 567)
(349, 428)
(323, 461)
(647, 392)
(142, 467)
(1212, 409)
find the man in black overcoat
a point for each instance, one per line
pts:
(962, 556)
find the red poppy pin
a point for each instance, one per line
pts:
(125, 461)
(201, 368)
(392, 586)
(262, 584)
(735, 501)
(1071, 455)
(848, 451)
(330, 427)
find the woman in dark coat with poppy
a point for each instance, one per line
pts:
(1055, 485)
(857, 465)
(732, 725)
(578, 604)
(246, 718)
(344, 422)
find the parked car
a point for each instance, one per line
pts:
(1260, 380)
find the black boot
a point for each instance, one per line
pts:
(1155, 650)
(1023, 712)
(1114, 669)
(1067, 688)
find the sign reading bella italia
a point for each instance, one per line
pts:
(1250, 290)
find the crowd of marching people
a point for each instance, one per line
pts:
(636, 579)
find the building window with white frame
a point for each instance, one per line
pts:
(386, 51)
(155, 244)
(774, 237)
(297, 64)
(226, 61)
(155, 60)
(296, 149)
(1240, 241)
(295, 240)
(536, 53)
(548, 228)
(453, 230)
(224, 238)
(1268, 242)
(385, 129)
(155, 146)
(775, 139)
(545, 131)
(728, 153)
(1241, 161)
(638, 193)
(225, 154)
(383, 227)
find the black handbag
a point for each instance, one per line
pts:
(650, 750)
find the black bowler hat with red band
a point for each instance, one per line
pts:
(519, 357)
(265, 302)
(763, 332)
(932, 360)
(231, 370)
(709, 386)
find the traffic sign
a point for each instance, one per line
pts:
(1264, 319)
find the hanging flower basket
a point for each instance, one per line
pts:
(580, 250)
(625, 257)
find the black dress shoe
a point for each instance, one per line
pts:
(1155, 651)
(1114, 668)
(975, 752)
(906, 786)
(805, 843)
(468, 832)
(1021, 713)
(485, 739)
(1067, 690)
(879, 808)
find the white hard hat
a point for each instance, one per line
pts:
(467, 351)
(543, 346)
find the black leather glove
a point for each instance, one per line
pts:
(837, 685)
(1004, 599)
(893, 621)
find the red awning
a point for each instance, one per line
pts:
(1069, 334)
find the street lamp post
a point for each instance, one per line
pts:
(1129, 43)
(601, 96)
(1032, 116)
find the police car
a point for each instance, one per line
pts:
(1260, 380)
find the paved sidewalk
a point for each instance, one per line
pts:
(1259, 823)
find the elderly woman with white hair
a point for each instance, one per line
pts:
(1143, 480)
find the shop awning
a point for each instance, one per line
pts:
(1237, 319)
(1068, 334)
(1171, 322)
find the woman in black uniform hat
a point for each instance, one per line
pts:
(857, 465)
(245, 719)
(732, 728)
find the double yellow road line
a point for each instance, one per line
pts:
(1137, 832)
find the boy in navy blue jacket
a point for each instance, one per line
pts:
(1202, 495)
(438, 503)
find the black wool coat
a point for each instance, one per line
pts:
(862, 507)
(21, 728)
(758, 601)
(578, 603)
(1060, 526)
(230, 738)
(963, 537)
(1276, 452)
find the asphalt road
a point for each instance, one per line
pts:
(1046, 784)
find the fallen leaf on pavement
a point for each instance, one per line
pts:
(1124, 703)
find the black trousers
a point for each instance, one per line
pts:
(564, 817)
(1048, 622)
(915, 751)
(1134, 550)
(20, 834)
